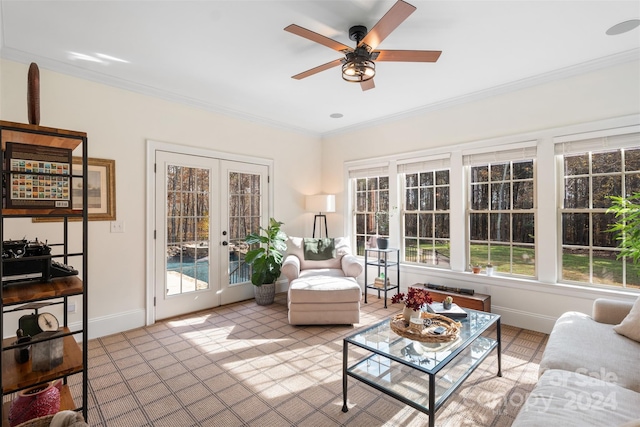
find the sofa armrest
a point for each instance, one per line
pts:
(291, 267)
(351, 267)
(610, 311)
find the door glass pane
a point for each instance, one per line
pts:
(245, 200)
(187, 229)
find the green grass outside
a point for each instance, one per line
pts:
(606, 269)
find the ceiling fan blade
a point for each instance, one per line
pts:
(317, 69)
(318, 38)
(389, 22)
(366, 85)
(409, 55)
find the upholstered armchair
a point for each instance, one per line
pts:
(322, 284)
(338, 263)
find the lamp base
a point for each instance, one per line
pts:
(315, 220)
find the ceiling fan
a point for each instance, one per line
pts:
(357, 64)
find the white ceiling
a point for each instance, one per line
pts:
(234, 57)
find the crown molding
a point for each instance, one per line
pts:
(562, 73)
(119, 83)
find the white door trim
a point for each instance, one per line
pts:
(152, 147)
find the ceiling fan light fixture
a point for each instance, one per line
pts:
(358, 69)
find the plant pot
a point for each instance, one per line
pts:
(408, 313)
(476, 270)
(490, 270)
(34, 402)
(265, 293)
(382, 242)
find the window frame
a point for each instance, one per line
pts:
(548, 229)
(367, 239)
(620, 143)
(509, 157)
(431, 167)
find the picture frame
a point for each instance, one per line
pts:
(102, 190)
(39, 177)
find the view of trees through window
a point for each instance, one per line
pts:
(502, 209)
(589, 251)
(426, 218)
(188, 227)
(245, 200)
(502, 218)
(371, 211)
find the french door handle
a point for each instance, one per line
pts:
(225, 243)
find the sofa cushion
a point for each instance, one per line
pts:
(322, 272)
(295, 246)
(579, 344)
(563, 398)
(610, 311)
(324, 289)
(630, 326)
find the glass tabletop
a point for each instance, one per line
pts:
(427, 357)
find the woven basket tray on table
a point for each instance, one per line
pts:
(424, 333)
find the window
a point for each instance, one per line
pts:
(426, 238)
(501, 210)
(371, 213)
(592, 170)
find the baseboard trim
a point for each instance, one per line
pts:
(525, 319)
(115, 323)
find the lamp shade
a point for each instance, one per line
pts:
(320, 203)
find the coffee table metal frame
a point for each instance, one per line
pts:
(391, 352)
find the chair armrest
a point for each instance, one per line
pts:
(351, 267)
(291, 267)
(610, 311)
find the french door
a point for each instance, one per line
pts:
(204, 209)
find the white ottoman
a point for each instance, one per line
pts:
(324, 300)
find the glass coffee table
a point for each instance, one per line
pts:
(421, 375)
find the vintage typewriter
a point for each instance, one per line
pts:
(24, 260)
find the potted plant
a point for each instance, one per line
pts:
(266, 260)
(476, 268)
(446, 303)
(489, 269)
(413, 301)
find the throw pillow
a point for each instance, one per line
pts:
(319, 249)
(630, 325)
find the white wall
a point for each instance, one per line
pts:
(118, 123)
(572, 103)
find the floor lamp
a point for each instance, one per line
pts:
(320, 203)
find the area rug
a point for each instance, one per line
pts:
(244, 365)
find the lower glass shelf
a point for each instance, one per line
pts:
(388, 288)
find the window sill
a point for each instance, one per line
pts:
(483, 283)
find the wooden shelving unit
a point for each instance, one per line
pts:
(24, 296)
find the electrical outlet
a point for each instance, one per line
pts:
(117, 226)
(71, 307)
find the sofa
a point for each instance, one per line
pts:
(589, 374)
(322, 281)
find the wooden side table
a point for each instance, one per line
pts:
(480, 302)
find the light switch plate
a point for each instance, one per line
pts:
(117, 226)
